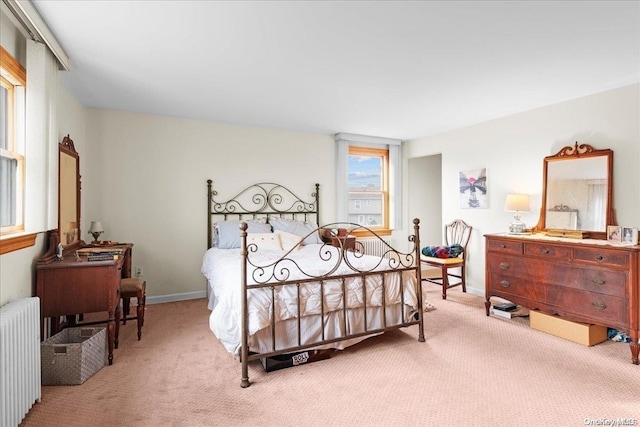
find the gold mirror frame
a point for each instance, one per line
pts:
(68, 195)
(583, 157)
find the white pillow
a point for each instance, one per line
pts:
(227, 233)
(288, 240)
(265, 241)
(299, 228)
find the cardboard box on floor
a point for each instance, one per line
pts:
(580, 333)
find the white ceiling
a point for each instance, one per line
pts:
(383, 68)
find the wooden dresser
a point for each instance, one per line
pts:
(585, 281)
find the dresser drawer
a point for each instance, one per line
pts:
(598, 280)
(539, 271)
(507, 286)
(557, 253)
(602, 257)
(600, 309)
(504, 246)
(509, 264)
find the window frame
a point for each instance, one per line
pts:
(13, 76)
(383, 229)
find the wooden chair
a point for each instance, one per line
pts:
(458, 232)
(133, 288)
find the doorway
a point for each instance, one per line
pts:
(425, 196)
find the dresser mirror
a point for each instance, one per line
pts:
(68, 195)
(577, 192)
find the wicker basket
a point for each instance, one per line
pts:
(72, 356)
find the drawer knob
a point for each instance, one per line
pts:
(505, 283)
(504, 265)
(599, 258)
(545, 251)
(599, 305)
(598, 281)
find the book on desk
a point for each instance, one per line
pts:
(100, 254)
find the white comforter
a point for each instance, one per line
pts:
(222, 269)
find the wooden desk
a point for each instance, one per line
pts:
(71, 287)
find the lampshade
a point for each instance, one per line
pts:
(96, 227)
(517, 203)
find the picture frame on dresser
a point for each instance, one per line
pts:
(620, 235)
(630, 235)
(614, 233)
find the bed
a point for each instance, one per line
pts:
(279, 284)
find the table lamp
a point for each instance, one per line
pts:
(96, 230)
(517, 203)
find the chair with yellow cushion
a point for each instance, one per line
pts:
(449, 258)
(133, 288)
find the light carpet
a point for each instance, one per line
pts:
(473, 370)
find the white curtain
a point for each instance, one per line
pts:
(344, 141)
(41, 136)
(342, 179)
(395, 185)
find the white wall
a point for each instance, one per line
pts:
(144, 178)
(512, 149)
(10, 36)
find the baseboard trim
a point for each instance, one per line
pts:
(176, 297)
(475, 291)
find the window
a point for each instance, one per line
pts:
(12, 160)
(368, 182)
(369, 169)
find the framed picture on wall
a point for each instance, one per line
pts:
(473, 189)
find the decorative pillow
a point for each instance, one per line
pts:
(452, 251)
(299, 228)
(229, 232)
(265, 241)
(288, 240)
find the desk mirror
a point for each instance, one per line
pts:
(577, 191)
(68, 195)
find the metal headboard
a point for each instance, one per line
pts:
(262, 200)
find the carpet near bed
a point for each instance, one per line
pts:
(189, 379)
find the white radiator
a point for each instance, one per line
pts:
(19, 359)
(375, 246)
